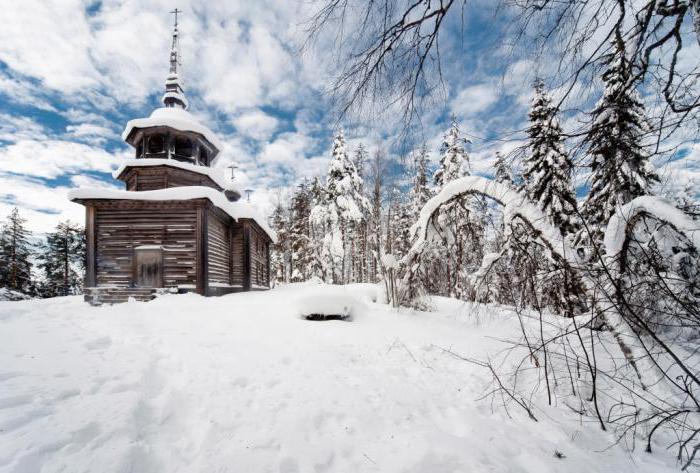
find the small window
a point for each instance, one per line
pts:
(156, 144)
(204, 156)
(183, 146)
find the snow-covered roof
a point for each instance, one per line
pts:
(236, 210)
(176, 118)
(214, 174)
(176, 95)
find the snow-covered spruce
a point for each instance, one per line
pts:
(420, 191)
(503, 171)
(279, 252)
(302, 258)
(620, 168)
(460, 222)
(15, 254)
(340, 207)
(62, 261)
(547, 166)
(454, 160)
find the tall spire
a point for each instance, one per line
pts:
(174, 95)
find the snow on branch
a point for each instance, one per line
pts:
(621, 223)
(516, 207)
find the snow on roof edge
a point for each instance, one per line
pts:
(174, 118)
(214, 174)
(236, 210)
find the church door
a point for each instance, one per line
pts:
(148, 266)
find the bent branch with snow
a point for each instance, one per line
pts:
(517, 207)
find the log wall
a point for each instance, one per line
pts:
(163, 177)
(120, 226)
(219, 264)
(203, 248)
(238, 270)
(259, 268)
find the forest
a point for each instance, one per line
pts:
(574, 222)
(32, 267)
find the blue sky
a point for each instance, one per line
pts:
(73, 72)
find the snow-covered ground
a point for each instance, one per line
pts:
(241, 383)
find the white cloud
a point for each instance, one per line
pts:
(256, 124)
(89, 133)
(49, 41)
(19, 91)
(474, 100)
(83, 180)
(42, 206)
(13, 128)
(53, 158)
(286, 159)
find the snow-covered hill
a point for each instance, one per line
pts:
(242, 384)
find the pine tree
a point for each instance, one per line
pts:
(62, 260)
(360, 230)
(400, 225)
(343, 209)
(548, 168)
(317, 227)
(461, 221)
(453, 158)
(420, 192)
(374, 225)
(300, 244)
(503, 171)
(359, 160)
(620, 168)
(15, 266)
(279, 251)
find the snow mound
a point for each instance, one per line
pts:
(328, 303)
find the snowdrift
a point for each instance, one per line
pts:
(241, 383)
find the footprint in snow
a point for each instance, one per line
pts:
(98, 343)
(14, 401)
(240, 382)
(9, 375)
(289, 465)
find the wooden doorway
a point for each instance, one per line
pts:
(148, 266)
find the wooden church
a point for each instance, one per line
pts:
(180, 224)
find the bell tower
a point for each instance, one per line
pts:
(171, 132)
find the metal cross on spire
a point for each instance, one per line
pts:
(176, 11)
(174, 91)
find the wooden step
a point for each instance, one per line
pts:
(117, 295)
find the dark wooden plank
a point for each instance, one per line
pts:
(246, 256)
(201, 260)
(90, 242)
